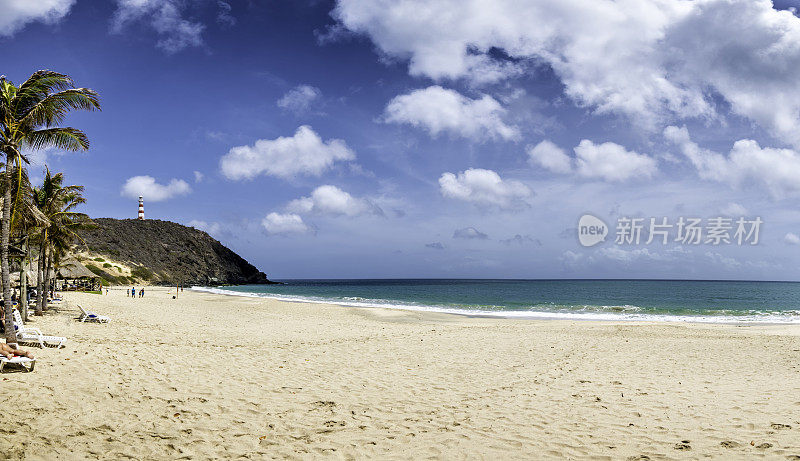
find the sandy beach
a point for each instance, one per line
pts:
(211, 376)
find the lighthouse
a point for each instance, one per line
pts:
(141, 207)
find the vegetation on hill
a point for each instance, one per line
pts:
(162, 252)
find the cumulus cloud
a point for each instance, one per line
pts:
(299, 99)
(607, 161)
(15, 14)
(198, 176)
(634, 57)
(469, 233)
(284, 224)
(164, 16)
(611, 162)
(330, 200)
(302, 154)
(792, 239)
(213, 229)
(484, 188)
(549, 156)
(438, 110)
(147, 187)
(435, 245)
(746, 164)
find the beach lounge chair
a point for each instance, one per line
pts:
(28, 335)
(22, 361)
(87, 316)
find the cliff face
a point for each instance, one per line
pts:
(162, 252)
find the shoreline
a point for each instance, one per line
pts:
(509, 315)
(212, 376)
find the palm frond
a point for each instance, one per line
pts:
(54, 107)
(63, 138)
(40, 84)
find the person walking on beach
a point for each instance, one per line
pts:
(133, 291)
(141, 293)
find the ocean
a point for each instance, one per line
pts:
(666, 300)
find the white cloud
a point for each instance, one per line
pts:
(15, 14)
(40, 157)
(278, 223)
(213, 229)
(302, 154)
(224, 17)
(152, 191)
(721, 260)
(611, 162)
(442, 110)
(734, 210)
(299, 98)
(792, 239)
(164, 16)
(469, 233)
(626, 256)
(548, 155)
(635, 57)
(746, 164)
(607, 161)
(198, 176)
(330, 200)
(484, 188)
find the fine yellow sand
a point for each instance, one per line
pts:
(209, 376)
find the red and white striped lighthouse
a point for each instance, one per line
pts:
(141, 207)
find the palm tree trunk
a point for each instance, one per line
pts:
(47, 281)
(5, 232)
(40, 274)
(23, 283)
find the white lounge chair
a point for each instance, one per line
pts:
(28, 335)
(22, 361)
(87, 316)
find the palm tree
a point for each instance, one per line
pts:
(56, 202)
(25, 218)
(29, 115)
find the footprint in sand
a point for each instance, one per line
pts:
(683, 445)
(778, 426)
(729, 444)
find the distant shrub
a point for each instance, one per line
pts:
(106, 265)
(105, 277)
(99, 259)
(142, 273)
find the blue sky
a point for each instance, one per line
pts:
(372, 138)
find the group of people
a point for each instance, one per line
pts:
(132, 292)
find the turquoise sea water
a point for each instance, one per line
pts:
(699, 301)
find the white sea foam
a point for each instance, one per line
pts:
(596, 313)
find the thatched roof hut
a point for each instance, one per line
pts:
(70, 268)
(72, 275)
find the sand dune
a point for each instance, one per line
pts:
(209, 376)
